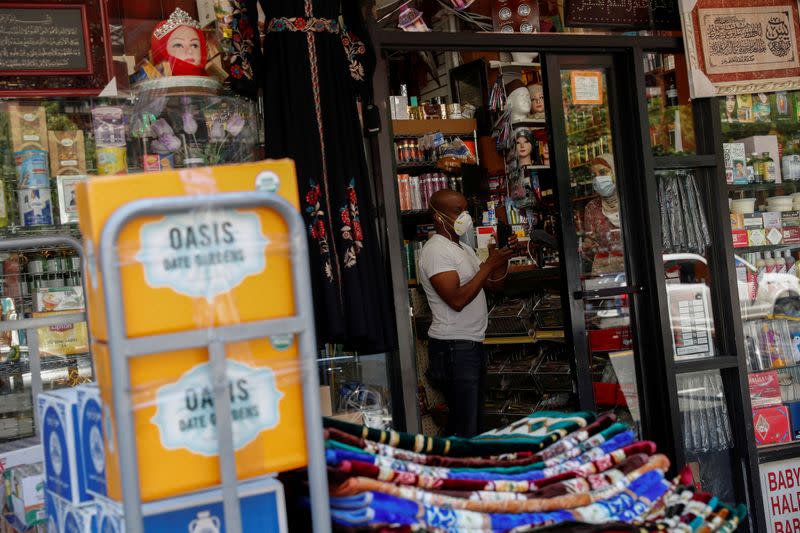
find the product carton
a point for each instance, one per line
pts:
(28, 127)
(740, 239)
(735, 163)
(774, 236)
(790, 219)
(174, 415)
(771, 425)
(91, 446)
(196, 270)
(67, 153)
(794, 415)
(49, 299)
(756, 237)
(68, 518)
(737, 221)
(764, 143)
(791, 235)
(771, 220)
(59, 340)
(27, 493)
(261, 502)
(63, 469)
(764, 389)
(753, 221)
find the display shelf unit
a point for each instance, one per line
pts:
(778, 452)
(765, 248)
(418, 128)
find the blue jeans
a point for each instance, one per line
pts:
(458, 369)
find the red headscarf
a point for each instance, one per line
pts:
(158, 48)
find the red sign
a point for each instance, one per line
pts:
(780, 488)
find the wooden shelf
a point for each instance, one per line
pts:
(513, 64)
(418, 128)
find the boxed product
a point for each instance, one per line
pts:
(67, 152)
(174, 415)
(193, 270)
(794, 416)
(735, 162)
(791, 235)
(59, 421)
(91, 447)
(32, 169)
(764, 143)
(790, 219)
(50, 299)
(740, 239)
(28, 127)
(27, 493)
(261, 502)
(771, 220)
(774, 236)
(59, 340)
(756, 237)
(64, 517)
(737, 221)
(764, 389)
(771, 425)
(753, 221)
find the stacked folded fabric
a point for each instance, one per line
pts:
(549, 471)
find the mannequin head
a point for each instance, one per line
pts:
(180, 42)
(524, 146)
(518, 100)
(537, 99)
(730, 104)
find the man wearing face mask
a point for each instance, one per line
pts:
(454, 280)
(602, 242)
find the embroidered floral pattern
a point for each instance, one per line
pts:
(354, 48)
(236, 38)
(310, 24)
(352, 234)
(316, 227)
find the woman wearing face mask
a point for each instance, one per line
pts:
(602, 241)
(454, 280)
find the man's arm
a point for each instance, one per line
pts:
(448, 286)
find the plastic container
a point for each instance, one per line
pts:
(743, 205)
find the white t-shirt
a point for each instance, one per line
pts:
(443, 255)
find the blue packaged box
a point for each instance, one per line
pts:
(33, 170)
(65, 476)
(91, 447)
(261, 501)
(63, 517)
(794, 416)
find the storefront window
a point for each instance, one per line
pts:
(761, 139)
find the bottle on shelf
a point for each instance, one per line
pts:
(768, 172)
(791, 264)
(761, 269)
(780, 263)
(770, 264)
(754, 168)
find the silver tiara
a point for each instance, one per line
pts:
(178, 18)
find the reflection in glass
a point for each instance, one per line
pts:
(668, 105)
(598, 222)
(707, 435)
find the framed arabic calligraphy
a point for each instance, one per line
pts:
(54, 48)
(741, 50)
(621, 14)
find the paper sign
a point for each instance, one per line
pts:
(780, 488)
(587, 87)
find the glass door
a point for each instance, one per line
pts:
(599, 290)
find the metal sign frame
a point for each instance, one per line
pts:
(123, 348)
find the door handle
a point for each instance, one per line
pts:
(606, 293)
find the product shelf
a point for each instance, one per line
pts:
(418, 128)
(765, 248)
(513, 64)
(759, 187)
(777, 452)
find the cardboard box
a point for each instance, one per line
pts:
(735, 163)
(60, 340)
(764, 143)
(195, 270)
(399, 107)
(67, 153)
(63, 469)
(790, 219)
(91, 447)
(753, 221)
(774, 236)
(794, 416)
(262, 504)
(764, 389)
(28, 127)
(756, 237)
(173, 415)
(791, 235)
(66, 517)
(737, 221)
(771, 220)
(740, 238)
(27, 493)
(49, 299)
(771, 425)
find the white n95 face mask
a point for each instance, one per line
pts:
(462, 224)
